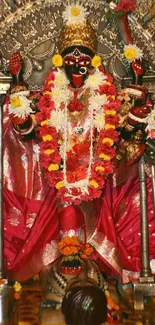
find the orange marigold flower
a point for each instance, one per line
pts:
(16, 295)
(88, 251)
(69, 245)
(69, 250)
(83, 256)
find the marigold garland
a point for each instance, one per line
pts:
(104, 118)
(72, 246)
(17, 288)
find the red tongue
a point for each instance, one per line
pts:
(77, 80)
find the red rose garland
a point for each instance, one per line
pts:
(105, 149)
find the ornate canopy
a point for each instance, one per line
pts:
(33, 27)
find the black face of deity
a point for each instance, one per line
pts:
(77, 64)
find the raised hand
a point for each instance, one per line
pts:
(138, 67)
(15, 63)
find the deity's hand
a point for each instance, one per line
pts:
(137, 67)
(134, 128)
(15, 64)
(138, 114)
(20, 107)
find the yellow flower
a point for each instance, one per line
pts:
(108, 83)
(59, 185)
(17, 286)
(103, 156)
(47, 137)
(94, 184)
(75, 11)
(47, 93)
(123, 95)
(96, 61)
(108, 140)
(109, 96)
(15, 102)
(107, 293)
(56, 93)
(48, 151)
(130, 54)
(50, 82)
(109, 126)
(60, 80)
(53, 167)
(101, 168)
(110, 112)
(57, 60)
(45, 122)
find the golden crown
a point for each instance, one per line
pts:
(77, 31)
(78, 34)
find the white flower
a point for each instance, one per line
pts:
(97, 101)
(19, 106)
(60, 96)
(112, 5)
(60, 81)
(95, 80)
(74, 14)
(151, 121)
(57, 119)
(99, 120)
(132, 52)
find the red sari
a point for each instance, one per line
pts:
(31, 226)
(32, 223)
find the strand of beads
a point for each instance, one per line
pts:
(60, 279)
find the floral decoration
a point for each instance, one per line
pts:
(74, 14)
(71, 246)
(110, 301)
(17, 288)
(57, 60)
(132, 52)
(96, 61)
(20, 105)
(123, 95)
(64, 117)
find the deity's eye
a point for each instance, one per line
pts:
(84, 62)
(69, 62)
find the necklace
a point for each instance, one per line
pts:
(60, 279)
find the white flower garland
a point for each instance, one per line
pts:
(59, 120)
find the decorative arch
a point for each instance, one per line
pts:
(33, 27)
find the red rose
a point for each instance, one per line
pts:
(75, 105)
(109, 77)
(103, 89)
(50, 76)
(81, 149)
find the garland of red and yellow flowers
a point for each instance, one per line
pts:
(106, 151)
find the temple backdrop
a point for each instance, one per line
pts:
(33, 27)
